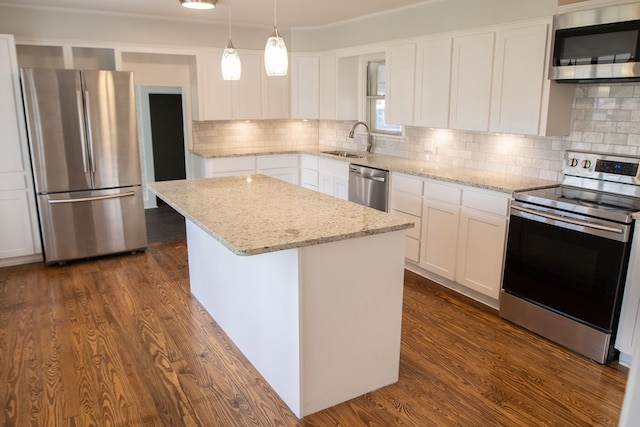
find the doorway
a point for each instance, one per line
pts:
(162, 133)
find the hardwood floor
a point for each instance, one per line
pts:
(119, 341)
(164, 223)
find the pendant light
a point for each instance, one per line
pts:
(276, 61)
(199, 4)
(230, 63)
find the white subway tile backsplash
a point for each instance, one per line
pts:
(605, 118)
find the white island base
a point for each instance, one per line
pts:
(320, 323)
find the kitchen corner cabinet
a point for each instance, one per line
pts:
(399, 92)
(19, 234)
(275, 96)
(229, 100)
(471, 78)
(304, 87)
(432, 83)
(327, 87)
(333, 178)
(283, 167)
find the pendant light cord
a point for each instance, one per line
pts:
(275, 18)
(229, 18)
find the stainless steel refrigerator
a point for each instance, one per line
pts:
(86, 164)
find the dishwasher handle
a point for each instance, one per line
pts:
(369, 176)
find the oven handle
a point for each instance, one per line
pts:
(568, 220)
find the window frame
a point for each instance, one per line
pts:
(373, 97)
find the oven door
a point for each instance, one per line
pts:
(574, 266)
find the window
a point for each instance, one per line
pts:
(375, 100)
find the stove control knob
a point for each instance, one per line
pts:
(586, 164)
(573, 162)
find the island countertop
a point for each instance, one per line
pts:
(258, 214)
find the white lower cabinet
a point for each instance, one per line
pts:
(333, 178)
(16, 225)
(460, 233)
(282, 167)
(482, 241)
(309, 172)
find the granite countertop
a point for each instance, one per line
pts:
(505, 183)
(258, 214)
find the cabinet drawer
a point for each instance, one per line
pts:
(412, 249)
(335, 168)
(407, 203)
(309, 177)
(411, 232)
(486, 201)
(309, 162)
(232, 164)
(443, 192)
(407, 184)
(274, 162)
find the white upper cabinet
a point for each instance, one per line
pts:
(471, 78)
(304, 86)
(517, 79)
(327, 87)
(275, 96)
(432, 83)
(214, 95)
(234, 100)
(347, 93)
(399, 91)
(524, 100)
(247, 92)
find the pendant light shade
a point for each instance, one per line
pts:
(276, 60)
(199, 4)
(231, 66)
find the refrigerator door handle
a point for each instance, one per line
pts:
(83, 132)
(91, 199)
(89, 131)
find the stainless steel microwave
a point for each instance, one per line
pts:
(597, 45)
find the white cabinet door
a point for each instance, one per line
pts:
(399, 91)
(630, 302)
(519, 75)
(333, 178)
(275, 96)
(304, 87)
(214, 95)
(349, 79)
(432, 83)
(471, 78)
(481, 247)
(440, 238)
(247, 92)
(16, 236)
(327, 87)
(18, 224)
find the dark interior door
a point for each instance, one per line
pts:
(167, 135)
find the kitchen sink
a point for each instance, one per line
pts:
(342, 153)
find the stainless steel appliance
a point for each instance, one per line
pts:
(568, 252)
(84, 152)
(597, 45)
(369, 186)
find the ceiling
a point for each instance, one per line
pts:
(290, 13)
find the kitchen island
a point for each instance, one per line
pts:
(309, 287)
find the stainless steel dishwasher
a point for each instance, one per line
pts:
(369, 186)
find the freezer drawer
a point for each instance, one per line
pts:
(91, 223)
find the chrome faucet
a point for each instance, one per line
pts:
(369, 137)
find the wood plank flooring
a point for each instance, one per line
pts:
(119, 341)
